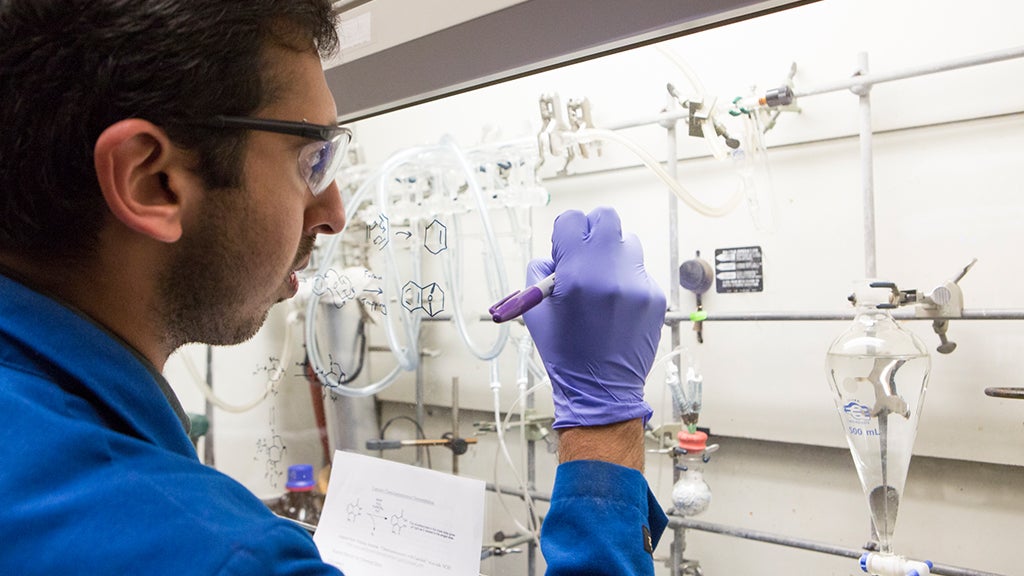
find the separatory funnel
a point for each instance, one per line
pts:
(879, 373)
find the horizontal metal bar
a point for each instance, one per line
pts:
(690, 523)
(491, 549)
(759, 316)
(648, 120)
(1015, 393)
(797, 316)
(542, 496)
(869, 80)
(980, 314)
(677, 522)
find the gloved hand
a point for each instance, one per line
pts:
(598, 331)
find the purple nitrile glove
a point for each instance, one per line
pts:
(598, 331)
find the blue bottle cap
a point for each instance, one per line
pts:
(300, 477)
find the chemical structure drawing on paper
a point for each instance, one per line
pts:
(376, 514)
(383, 519)
(398, 522)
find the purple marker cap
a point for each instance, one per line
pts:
(494, 308)
(518, 302)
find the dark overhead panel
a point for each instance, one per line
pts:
(522, 39)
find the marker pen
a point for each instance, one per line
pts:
(518, 302)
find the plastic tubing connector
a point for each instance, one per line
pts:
(893, 565)
(694, 442)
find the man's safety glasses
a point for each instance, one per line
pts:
(319, 161)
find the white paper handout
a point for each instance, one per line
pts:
(383, 518)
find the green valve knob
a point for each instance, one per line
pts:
(200, 425)
(698, 316)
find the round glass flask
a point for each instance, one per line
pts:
(691, 495)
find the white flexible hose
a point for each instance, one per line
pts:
(761, 209)
(538, 371)
(718, 148)
(590, 134)
(525, 350)
(681, 349)
(755, 175)
(323, 373)
(691, 76)
(503, 447)
(460, 320)
(497, 264)
(407, 356)
(508, 418)
(529, 366)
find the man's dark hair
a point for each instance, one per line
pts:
(71, 68)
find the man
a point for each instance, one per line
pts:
(165, 168)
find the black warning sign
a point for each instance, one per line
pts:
(739, 269)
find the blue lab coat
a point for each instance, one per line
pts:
(603, 520)
(99, 476)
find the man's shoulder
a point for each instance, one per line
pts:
(110, 508)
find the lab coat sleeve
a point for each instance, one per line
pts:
(603, 520)
(280, 550)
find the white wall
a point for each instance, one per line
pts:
(948, 190)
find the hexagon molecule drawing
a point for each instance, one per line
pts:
(378, 232)
(334, 287)
(435, 237)
(429, 298)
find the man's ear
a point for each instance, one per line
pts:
(133, 160)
